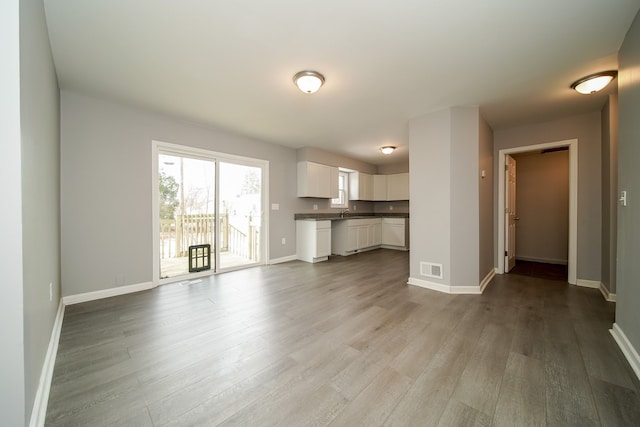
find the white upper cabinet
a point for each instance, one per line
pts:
(316, 180)
(379, 187)
(398, 186)
(360, 186)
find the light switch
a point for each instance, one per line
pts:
(623, 198)
(275, 206)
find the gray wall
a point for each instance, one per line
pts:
(542, 204)
(485, 202)
(586, 129)
(609, 191)
(445, 194)
(465, 198)
(40, 120)
(30, 175)
(628, 274)
(106, 192)
(12, 398)
(430, 193)
(391, 168)
(317, 155)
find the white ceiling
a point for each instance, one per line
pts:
(229, 63)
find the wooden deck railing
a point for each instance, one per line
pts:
(176, 235)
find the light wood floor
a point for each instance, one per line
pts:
(346, 343)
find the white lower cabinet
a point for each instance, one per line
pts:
(352, 235)
(394, 233)
(313, 240)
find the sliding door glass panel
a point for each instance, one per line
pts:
(240, 219)
(187, 211)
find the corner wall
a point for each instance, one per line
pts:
(445, 198)
(40, 123)
(485, 202)
(610, 127)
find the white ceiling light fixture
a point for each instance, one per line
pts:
(308, 81)
(594, 82)
(387, 149)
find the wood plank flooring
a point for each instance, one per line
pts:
(343, 343)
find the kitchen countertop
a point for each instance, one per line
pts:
(349, 215)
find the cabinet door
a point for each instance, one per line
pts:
(393, 234)
(323, 242)
(398, 186)
(360, 186)
(332, 191)
(352, 238)
(379, 187)
(363, 236)
(375, 234)
(316, 180)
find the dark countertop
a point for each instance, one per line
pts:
(350, 215)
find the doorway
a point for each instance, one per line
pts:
(209, 212)
(503, 231)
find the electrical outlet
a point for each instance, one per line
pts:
(50, 291)
(390, 207)
(284, 241)
(355, 208)
(315, 207)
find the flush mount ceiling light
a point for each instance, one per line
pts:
(387, 149)
(308, 81)
(594, 82)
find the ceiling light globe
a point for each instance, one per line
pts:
(594, 83)
(308, 81)
(387, 149)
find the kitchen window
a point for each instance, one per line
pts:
(342, 201)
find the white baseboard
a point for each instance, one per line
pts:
(611, 297)
(444, 288)
(627, 348)
(543, 260)
(588, 283)
(487, 279)
(39, 411)
(283, 259)
(594, 284)
(106, 293)
(497, 270)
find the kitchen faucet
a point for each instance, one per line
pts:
(342, 212)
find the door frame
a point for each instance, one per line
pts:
(156, 147)
(573, 202)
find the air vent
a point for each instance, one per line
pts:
(430, 269)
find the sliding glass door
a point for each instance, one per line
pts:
(187, 212)
(209, 212)
(240, 208)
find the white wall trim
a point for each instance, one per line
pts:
(611, 297)
(39, 411)
(627, 348)
(475, 290)
(573, 201)
(487, 279)
(543, 260)
(594, 284)
(283, 259)
(106, 293)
